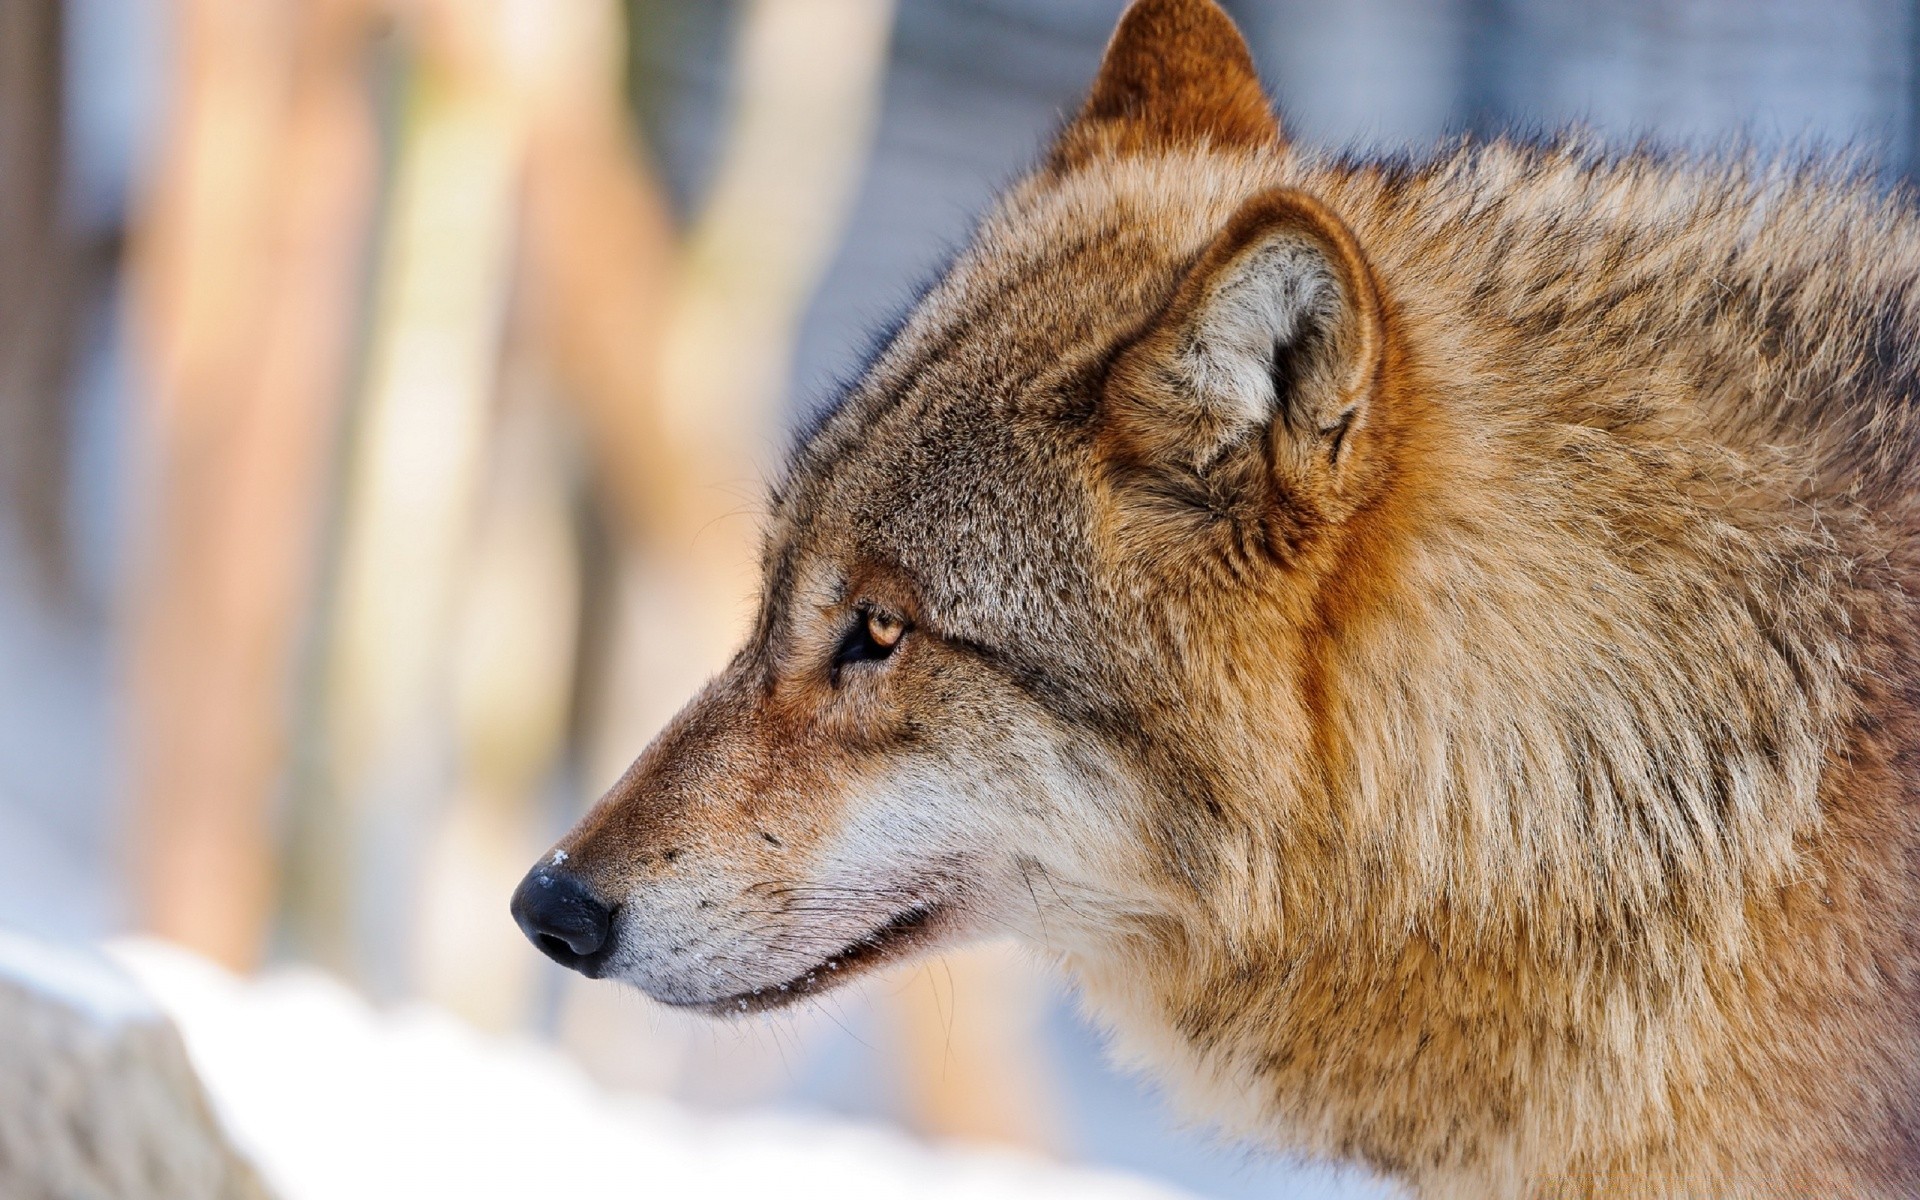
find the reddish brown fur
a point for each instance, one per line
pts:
(1173, 75)
(1470, 732)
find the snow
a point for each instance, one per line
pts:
(83, 981)
(335, 1101)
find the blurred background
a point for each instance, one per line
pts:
(388, 387)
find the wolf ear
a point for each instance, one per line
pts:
(1177, 73)
(1279, 328)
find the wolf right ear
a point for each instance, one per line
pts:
(1280, 330)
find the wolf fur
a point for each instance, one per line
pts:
(1429, 645)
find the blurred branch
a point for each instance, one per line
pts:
(808, 96)
(246, 262)
(678, 359)
(599, 255)
(39, 269)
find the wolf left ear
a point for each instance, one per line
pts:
(1279, 328)
(1176, 75)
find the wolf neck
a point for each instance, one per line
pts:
(1519, 937)
(1558, 762)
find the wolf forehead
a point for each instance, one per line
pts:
(963, 453)
(959, 498)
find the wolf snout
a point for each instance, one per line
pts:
(563, 918)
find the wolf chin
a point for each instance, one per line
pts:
(1429, 646)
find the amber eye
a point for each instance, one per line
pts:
(884, 629)
(872, 638)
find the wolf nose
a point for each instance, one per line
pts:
(561, 916)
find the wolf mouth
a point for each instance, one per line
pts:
(900, 935)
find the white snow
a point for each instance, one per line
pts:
(336, 1101)
(559, 856)
(82, 980)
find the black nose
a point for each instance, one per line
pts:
(561, 916)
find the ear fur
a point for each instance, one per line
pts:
(1279, 327)
(1177, 73)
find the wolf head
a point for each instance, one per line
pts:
(1022, 586)
(1194, 577)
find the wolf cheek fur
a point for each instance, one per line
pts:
(1430, 647)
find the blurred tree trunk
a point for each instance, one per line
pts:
(414, 475)
(595, 251)
(247, 261)
(600, 260)
(38, 269)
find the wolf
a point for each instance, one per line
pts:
(1430, 646)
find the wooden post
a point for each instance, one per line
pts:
(38, 269)
(246, 260)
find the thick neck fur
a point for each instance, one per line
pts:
(1566, 807)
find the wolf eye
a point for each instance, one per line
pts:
(871, 639)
